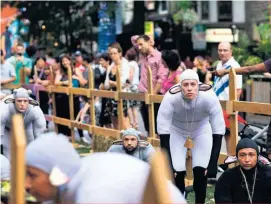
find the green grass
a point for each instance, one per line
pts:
(209, 195)
(102, 144)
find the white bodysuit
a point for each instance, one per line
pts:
(34, 123)
(198, 118)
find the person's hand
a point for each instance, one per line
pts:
(19, 58)
(77, 72)
(219, 73)
(75, 77)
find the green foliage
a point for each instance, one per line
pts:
(264, 46)
(186, 4)
(252, 60)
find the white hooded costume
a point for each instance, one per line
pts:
(198, 119)
(34, 120)
(98, 178)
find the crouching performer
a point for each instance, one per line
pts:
(132, 145)
(20, 103)
(98, 178)
(196, 115)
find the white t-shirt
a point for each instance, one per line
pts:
(221, 85)
(134, 65)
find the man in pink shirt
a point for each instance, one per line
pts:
(151, 57)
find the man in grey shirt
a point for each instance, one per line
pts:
(8, 75)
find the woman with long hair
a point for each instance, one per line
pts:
(62, 100)
(201, 68)
(118, 62)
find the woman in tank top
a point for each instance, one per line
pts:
(172, 61)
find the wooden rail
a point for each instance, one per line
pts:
(232, 107)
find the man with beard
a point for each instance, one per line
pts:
(249, 182)
(132, 145)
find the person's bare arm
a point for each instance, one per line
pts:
(243, 70)
(6, 81)
(157, 88)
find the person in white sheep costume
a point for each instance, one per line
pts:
(194, 114)
(21, 103)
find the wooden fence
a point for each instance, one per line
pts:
(232, 107)
(156, 190)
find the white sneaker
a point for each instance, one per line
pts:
(230, 159)
(85, 140)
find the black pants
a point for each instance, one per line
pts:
(199, 186)
(268, 145)
(63, 111)
(145, 115)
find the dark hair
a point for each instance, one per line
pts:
(116, 45)
(38, 58)
(106, 57)
(19, 44)
(61, 65)
(144, 37)
(2, 53)
(87, 58)
(131, 55)
(171, 59)
(31, 50)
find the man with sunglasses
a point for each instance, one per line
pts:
(20, 62)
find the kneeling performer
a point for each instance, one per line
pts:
(132, 145)
(20, 103)
(193, 114)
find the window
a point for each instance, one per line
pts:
(205, 10)
(163, 7)
(224, 11)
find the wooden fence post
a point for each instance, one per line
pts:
(92, 105)
(71, 103)
(233, 114)
(22, 76)
(119, 99)
(150, 105)
(156, 190)
(18, 143)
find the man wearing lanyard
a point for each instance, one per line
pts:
(221, 85)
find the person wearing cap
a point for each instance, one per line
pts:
(98, 178)
(250, 182)
(132, 145)
(195, 115)
(79, 61)
(21, 103)
(8, 75)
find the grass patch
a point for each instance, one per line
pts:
(209, 195)
(102, 143)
